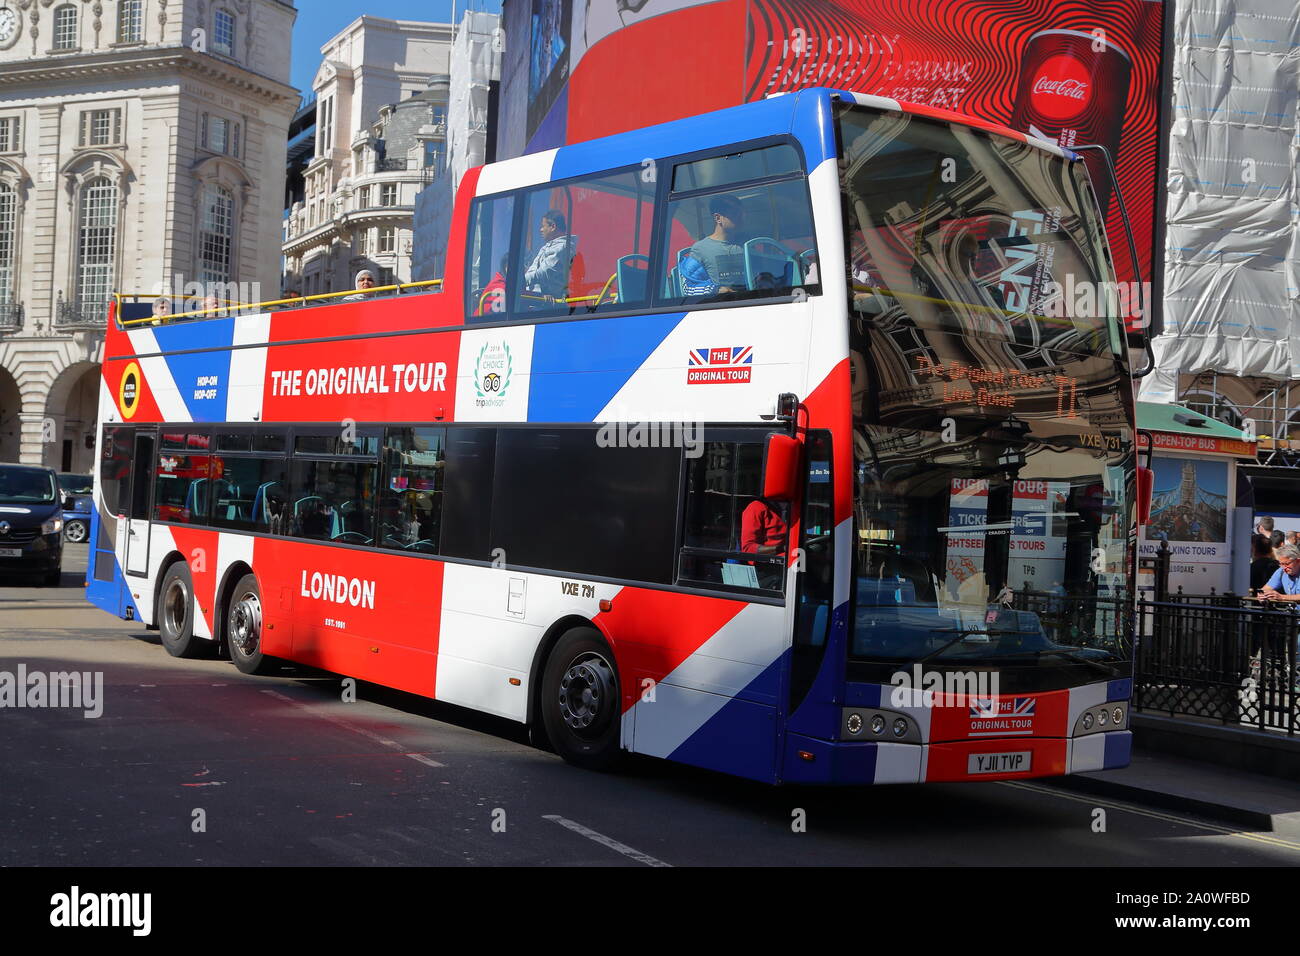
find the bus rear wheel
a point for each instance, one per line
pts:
(176, 613)
(244, 627)
(580, 701)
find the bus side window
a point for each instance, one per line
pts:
(727, 239)
(411, 490)
(732, 537)
(586, 245)
(489, 259)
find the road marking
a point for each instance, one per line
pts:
(603, 840)
(347, 725)
(1154, 814)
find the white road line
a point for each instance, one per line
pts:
(347, 725)
(603, 840)
(1153, 814)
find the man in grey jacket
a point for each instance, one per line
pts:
(548, 273)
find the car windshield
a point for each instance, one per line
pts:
(28, 486)
(75, 484)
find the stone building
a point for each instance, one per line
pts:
(381, 126)
(141, 144)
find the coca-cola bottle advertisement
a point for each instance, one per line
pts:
(1072, 90)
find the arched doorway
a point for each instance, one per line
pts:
(11, 405)
(71, 410)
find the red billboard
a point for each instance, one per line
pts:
(1073, 71)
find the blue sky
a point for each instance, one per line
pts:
(318, 20)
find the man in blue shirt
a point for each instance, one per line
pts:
(1284, 585)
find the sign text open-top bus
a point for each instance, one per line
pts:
(793, 441)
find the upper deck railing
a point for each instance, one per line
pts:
(228, 307)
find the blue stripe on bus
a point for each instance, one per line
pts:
(201, 377)
(1119, 689)
(578, 367)
(740, 738)
(1119, 750)
(814, 126)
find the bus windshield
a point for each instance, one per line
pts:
(953, 228)
(991, 405)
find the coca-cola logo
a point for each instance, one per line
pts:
(1074, 89)
(1061, 89)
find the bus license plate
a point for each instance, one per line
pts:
(11, 552)
(1015, 762)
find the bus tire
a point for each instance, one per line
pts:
(580, 703)
(244, 627)
(176, 613)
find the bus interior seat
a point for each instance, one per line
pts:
(632, 279)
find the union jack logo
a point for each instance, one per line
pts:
(1016, 707)
(735, 355)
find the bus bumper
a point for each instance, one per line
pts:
(812, 761)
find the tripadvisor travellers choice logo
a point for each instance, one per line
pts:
(492, 372)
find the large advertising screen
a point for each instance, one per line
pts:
(1072, 71)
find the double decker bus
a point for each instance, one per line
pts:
(793, 441)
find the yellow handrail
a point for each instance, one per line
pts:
(250, 307)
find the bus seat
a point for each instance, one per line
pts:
(260, 511)
(632, 281)
(196, 498)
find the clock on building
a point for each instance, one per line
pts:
(10, 24)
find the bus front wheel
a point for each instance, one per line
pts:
(244, 627)
(580, 700)
(176, 613)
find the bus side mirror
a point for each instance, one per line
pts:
(1145, 482)
(781, 468)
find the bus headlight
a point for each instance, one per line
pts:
(900, 727)
(855, 724)
(877, 724)
(1087, 721)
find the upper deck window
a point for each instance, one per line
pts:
(742, 228)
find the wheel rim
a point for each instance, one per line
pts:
(76, 531)
(246, 624)
(176, 605)
(586, 694)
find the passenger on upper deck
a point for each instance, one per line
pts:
(365, 281)
(722, 257)
(548, 273)
(161, 306)
(493, 297)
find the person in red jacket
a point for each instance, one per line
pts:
(762, 529)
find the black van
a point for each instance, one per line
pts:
(31, 521)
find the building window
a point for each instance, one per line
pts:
(388, 194)
(65, 27)
(130, 21)
(438, 114)
(363, 242)
(434, 154)
(8, 237)
(10, 127)
(101, 128)
(234, 140)
(387, 240)
(326, 127)
(218, 134)
(96, 245)
(385, 277)
(223, 32)
(216, 231)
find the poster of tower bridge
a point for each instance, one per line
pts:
(1190, 501)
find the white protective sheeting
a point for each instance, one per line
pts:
(475, 63)
(1232, 252)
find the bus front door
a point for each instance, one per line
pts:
(136, 534)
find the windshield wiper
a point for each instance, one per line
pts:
(961, 636)
(1070, 656)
